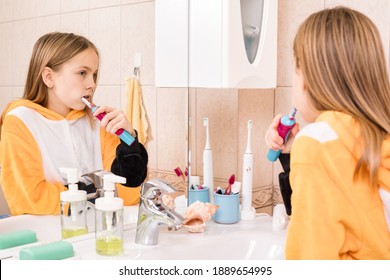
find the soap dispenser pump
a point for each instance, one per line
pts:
(109, 218)
(73, 207)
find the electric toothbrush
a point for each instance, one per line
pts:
(247, 211)
(208, 161)
(285, 125)
(123, 134)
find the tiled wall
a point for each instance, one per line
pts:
(122, 28)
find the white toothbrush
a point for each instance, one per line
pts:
(208, 161)
(247, 211)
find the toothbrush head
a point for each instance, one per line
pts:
(292, 114)
(232, 179)
(86, 102)
(250, 124)
(178, 171)
(205, 121)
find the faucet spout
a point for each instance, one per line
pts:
(153, 212)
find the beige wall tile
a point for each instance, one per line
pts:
(23, 39)
(290, 16)
(102, 3)
(171, 131)
(104, 32)
(256, 105)
(6, 94)
(47, 7)
(220, 106)
(76, 22)
(73, 5)
(5, 10)
(22, 9)
(17, 92)
(6, 48)
(134, 1)
(25, 34)
(108, 96)
(137, 36)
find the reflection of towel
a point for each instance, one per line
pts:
(135, 110)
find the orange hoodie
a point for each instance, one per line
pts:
(334, 217)
(36, 142)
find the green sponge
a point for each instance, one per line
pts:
(17, 238)
(58, 250)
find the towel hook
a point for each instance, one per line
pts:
(137, 63)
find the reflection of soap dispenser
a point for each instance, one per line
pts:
(109, 218)
(73, 207)
(208, 161)
(247, 211)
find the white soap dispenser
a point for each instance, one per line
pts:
(73, 207)
(109, 218)
(247, 211)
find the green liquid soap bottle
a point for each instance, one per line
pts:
(109, 219)
(73, 207)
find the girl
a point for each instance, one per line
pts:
(340, 167)
(50, 128)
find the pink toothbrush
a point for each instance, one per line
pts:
(232, 179)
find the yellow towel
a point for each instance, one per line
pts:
(135, 110)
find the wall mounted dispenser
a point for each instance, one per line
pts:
(216, 43)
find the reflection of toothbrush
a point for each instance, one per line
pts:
(286, 123)
(123, 134)
(207, 160)
(247, 211)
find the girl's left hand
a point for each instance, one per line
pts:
(114, 120)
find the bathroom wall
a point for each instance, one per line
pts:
(122, 28)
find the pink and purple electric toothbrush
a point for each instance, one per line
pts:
(123, 134)
(285, 125)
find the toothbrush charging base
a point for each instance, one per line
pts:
(248, 215)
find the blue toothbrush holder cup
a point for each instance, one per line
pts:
(203, 195)
(229, 208)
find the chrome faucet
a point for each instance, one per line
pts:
(153, 212)
(96, 177)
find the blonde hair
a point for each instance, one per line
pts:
(51, 50)
(340, 54)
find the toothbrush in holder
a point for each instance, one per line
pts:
(286, 123)
(232, 179)
(123, 134)
(208, 161)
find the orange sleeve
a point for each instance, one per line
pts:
(22, 175)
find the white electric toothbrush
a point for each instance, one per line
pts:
(247, 211)
(208, 161)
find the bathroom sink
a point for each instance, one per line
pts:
(245, 240)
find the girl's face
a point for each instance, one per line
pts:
(75, 78)
(300, 98)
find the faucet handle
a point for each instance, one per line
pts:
(157, 183)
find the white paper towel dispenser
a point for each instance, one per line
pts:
(216, 43)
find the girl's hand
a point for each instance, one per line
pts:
(274, 141)
(114, 120)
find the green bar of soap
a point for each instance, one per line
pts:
(58, 250)
(17, 238)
